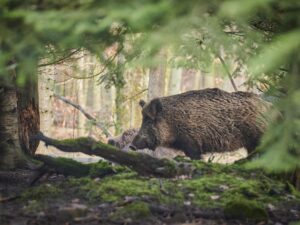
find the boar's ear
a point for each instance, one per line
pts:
(153, 108)
(142, 103)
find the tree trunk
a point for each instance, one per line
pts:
(19, 120)
(46, 81)
(175, 81)
(28, 115)
(10, 149)
(119, 109)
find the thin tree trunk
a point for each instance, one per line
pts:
(156, 83)
(119, 109)
(45, 89)
(175, 81)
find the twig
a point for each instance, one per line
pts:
(61, 59)
(228, 72)
(237, 33)
(86, 114)
(8, 199)
(137, 94)
(111, 59)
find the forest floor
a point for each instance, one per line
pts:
(213, 194)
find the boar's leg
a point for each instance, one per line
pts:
(252, 141)
(189, 146)
(190, 152)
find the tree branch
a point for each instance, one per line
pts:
(228, 72)
(86, 114)
(135, 95)
(61, 59)
(143, 164)
(108, 61)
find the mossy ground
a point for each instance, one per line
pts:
(236, 192)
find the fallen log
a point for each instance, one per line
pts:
(143, 164)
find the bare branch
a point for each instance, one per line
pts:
(61, 59)
(110, 60)
(86, 114)
(228, 72)
(135, 95)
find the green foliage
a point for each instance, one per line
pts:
(279, 22)
(281, 144)
(275, 54)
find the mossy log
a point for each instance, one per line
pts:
(143, 164)
(70, 167)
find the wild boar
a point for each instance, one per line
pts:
(203, 121)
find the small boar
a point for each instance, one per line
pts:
(123, 141)
(202, 121)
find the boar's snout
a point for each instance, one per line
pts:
(139, 142)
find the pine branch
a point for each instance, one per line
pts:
(228, 72)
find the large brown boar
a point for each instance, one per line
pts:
(202, 121)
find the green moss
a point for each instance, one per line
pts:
(45, 191)
(136, 211)
(208, 189)
(245, 209)
(116, 188)
(71, 167)
(74, 168)
(113, 189)
(103, 168)
(215, 185)
(33, 206)
(74, 142)
(170, 167)
(102, 145)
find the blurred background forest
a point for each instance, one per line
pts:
(79, 80)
